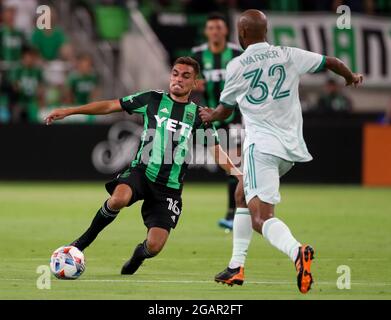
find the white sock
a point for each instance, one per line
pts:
(279, 235)
(242, 233)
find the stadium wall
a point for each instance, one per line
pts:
(97, 152)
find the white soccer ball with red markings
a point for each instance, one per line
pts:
(67, 263)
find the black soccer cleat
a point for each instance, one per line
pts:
(132, 265)
(231, 276)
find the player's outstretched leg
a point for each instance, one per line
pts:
(279, 235)
(105, 215)
(242, 233)
(154, 243)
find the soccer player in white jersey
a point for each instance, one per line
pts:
(263, 82)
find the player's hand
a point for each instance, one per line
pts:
(206, 114)
(355, 80)
(57, 114)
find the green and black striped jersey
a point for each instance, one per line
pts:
(169, 129)
(213, 68)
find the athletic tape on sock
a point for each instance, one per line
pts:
(107, 212)
(242, 211)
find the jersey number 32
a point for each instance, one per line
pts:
(257, 83)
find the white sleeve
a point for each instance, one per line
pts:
(306, 61)
(230, 91)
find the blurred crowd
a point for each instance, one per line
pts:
(38, 67)
(382, 7)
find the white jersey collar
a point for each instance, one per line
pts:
(258, 45)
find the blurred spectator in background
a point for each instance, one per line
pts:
(27, 83)
(333, 100)
(12, 41)
(25, 14)
(11, 38)
(51, 43)
(362, 6)
(82, 84)
(57, 54)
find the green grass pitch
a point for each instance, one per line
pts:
(347, 225)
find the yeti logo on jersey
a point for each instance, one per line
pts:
(215, 75)
(189, 116)
(173, 125)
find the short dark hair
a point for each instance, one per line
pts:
(217, 16)
(190, 62)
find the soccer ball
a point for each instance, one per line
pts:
(67, 263)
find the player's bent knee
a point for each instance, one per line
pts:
(257, 223)
(156, 240)
(155, 245)
(120, 197)
(260, 212)
(118, 202)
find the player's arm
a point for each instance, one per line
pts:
(340, 68)
(311, 62)
(220, 113)
(228, 96)
(210, 139)
(224, 161)
(93, 108)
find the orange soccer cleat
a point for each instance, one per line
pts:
(303, 267)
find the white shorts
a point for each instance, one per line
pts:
(262, 174)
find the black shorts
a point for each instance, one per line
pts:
(162, 205)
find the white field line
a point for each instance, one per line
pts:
(200, 258)
(266, 282)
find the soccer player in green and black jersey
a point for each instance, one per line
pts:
(213, 58)
(12, 42)
(82, 84)
(27, 81)
(156, 174)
